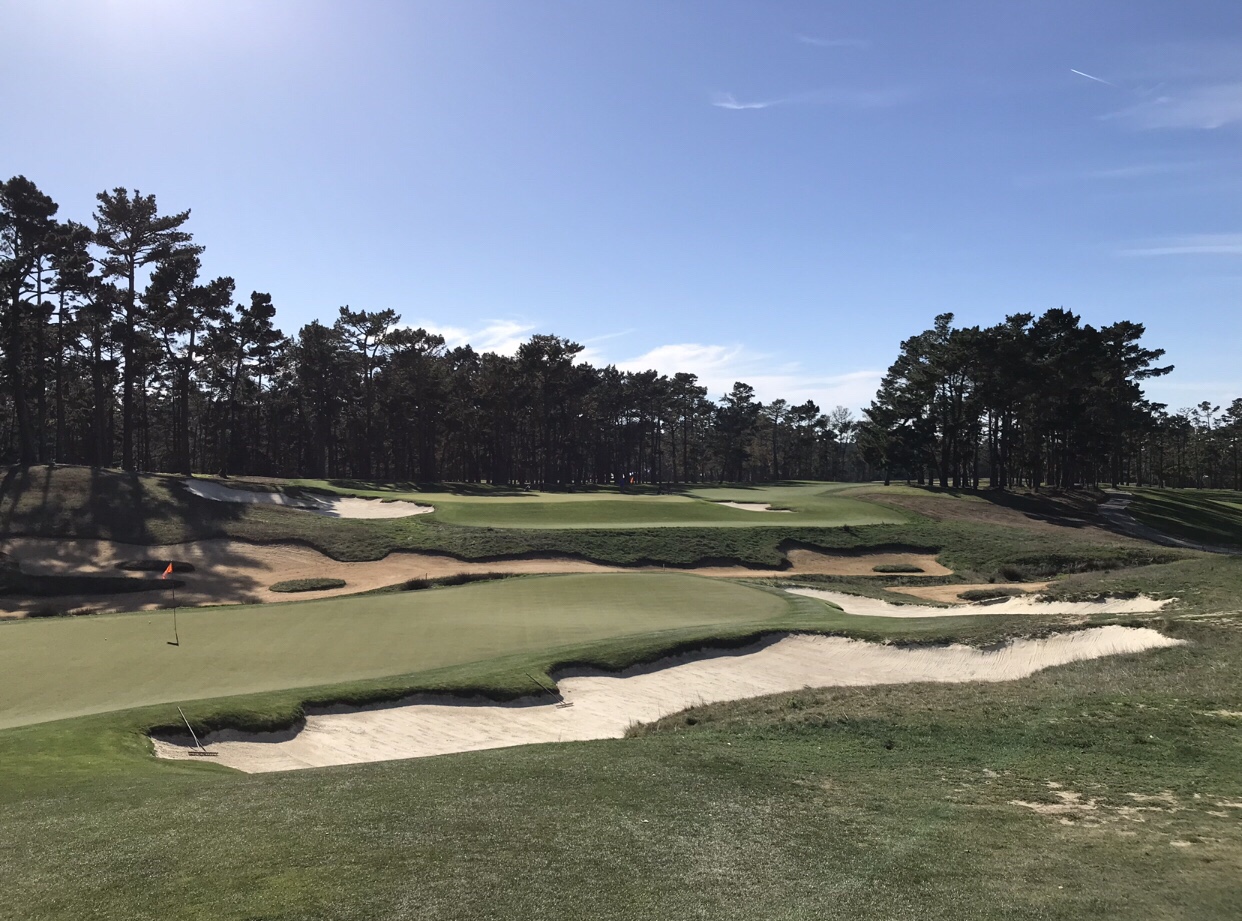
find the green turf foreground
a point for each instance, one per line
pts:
(838, 804)
(71, 667)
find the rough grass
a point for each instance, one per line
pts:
(989, 594)
(896, 568)
(307, 585)
(1207, 516)
(155, 566)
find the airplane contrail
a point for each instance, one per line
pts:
(1089, 77)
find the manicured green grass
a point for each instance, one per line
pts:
(805, 504)
(57, 669)
(1208, 516)
(839, 803)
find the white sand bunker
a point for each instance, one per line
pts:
(873, 607)
(756, 507)
(596, 705)
(329, 506)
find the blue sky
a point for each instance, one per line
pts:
(765, 191)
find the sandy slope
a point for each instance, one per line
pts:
(235, 572)
(856, 604)
(598, 705)
(755, 507)
(328, 506)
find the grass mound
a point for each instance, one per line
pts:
(461, 578)
(155, 566)
(307, 585)
(989, 594)
(896, 568)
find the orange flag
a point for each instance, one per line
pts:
(167, 572)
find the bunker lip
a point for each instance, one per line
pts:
(238, 572)
(1018, 605)
(328, 506)
(600, 705)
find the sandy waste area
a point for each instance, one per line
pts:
(596, 705)
(1020, 604)
(755, 507)
(328, 506)
(235, 572)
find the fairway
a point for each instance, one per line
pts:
(804, 505)
(72, 667)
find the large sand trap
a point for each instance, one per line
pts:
(873, 607)
(755, 507)
(329, 506)
(235, 572)
(600, 706)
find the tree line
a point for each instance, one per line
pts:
(116, 351)
(1047, 401)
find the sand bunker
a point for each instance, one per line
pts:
(595, 705)
(235, 572)
(755, 507)
(873, 607)
(328, 506)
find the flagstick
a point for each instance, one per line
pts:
(176, 634)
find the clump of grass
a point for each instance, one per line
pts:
(461, 578)
(155, 566)
(45, 610)
(307, 585)
(1033, 567)
(989, 594)
(897, 568)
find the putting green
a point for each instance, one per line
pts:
(53, 669)
(805, 504)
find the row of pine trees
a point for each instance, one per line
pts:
(1042, 401)
(118, 352)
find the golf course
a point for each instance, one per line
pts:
(644, 705)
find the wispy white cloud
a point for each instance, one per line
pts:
(718, 367)
(500, 336)
(1195, 244)
(1096, 79)
(833, 42)
(1131, 171)
(840, 98)
(1202, 107)
(727, 101)
(1141, 170)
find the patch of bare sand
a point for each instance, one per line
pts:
(328, 506)
(597, 705)
(235, 572)
(951, 594)
(874, 607)
(755, 507)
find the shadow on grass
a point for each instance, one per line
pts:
(1209, 517)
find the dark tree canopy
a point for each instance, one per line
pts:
(110, 336)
